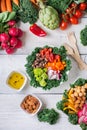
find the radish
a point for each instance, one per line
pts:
(20, 33)
(10, 50)
(4, 37)
(13, 41)
(19, 44)
(13, 31)
(11, 23)
(4, 45)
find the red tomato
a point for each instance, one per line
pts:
(74, 20)
(82, 6)
(63, 25)
(57, 57)
(51, 57)
(78, 13)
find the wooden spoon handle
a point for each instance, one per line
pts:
(80, 62)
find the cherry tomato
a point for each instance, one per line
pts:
(74, 20)
(78, 13)
(82, 6)
(63, 25)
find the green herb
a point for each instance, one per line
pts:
(60, 5)
(50, 83)
(73, 118)
(26, 12)
(48, 115)
(79, 82)
(83, 36)
(83, 126)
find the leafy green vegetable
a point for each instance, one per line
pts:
(26, 12)
(83, 126)
(7, 16)
(83, 36)
(48, 115)
(4, 27)
(60, 5)
(79, 82)
(73, 118)
(50, 83)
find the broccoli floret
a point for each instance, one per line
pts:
(48, 115)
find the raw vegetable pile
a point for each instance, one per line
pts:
(74, 103)
(9, 34)
(47, 67)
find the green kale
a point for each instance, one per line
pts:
(73, 118)
(48, 115)
(83, 126)
(26, 12)
(60, 5)
(83, 36)
(79, 82)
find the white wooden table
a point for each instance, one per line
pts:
(11, 115)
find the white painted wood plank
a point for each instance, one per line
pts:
(17, 62)
(54, 37)
(12, 117)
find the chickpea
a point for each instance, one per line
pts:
(75, 94)
(80, 94)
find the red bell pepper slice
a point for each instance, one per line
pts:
(35, 29)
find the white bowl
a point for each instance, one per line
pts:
(40, 105)
(24, 83)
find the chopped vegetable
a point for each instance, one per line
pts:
(83, 36)
(16, 2)
(3, 5)
(48, 115)
(35, 29)
(48, 16)
(26, 12)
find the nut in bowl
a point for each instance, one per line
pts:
(16, 80)
(31, 104)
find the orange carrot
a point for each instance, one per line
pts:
(16, 2)
(3, 6)
(8, 5)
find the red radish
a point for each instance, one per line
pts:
(13, 41)
(19, 44)
(13, 31)
(10, 50)
(12, 23)
(20, 33)
(4, 37)
(4, 45)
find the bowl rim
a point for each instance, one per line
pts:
(32, 114)
(25, 81)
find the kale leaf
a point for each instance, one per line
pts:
(26, 12)
(73, 118)
(83, 36)
(83, 126)
(48, 115)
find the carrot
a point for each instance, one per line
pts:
(3, 6)
(8, 5)
(16, 2)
